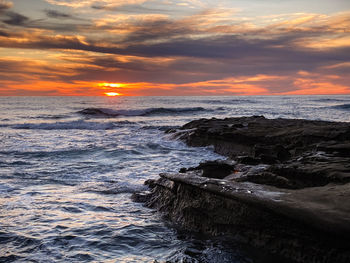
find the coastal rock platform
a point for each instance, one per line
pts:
(285, 186)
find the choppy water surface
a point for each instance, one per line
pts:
(68, 166)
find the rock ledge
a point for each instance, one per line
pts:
(285, 187)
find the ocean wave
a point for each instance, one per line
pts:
(69, 125)
(11, 164)
(104, 112)
(50, 117)
(228, 102)
(329, 100)
(341, 107)
(111, 187)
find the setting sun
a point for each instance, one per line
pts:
(111, 94)
(110, 85)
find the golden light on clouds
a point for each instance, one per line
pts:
(189, 47)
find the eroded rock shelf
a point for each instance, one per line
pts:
(285, 186)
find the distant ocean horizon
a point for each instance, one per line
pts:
(69, 165)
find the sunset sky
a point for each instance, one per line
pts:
(165, 47)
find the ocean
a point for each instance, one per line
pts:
(69, 165)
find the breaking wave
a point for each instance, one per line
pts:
(103, 112)
(229, 102)
(330, 100)
(342, 107)
(111, 187)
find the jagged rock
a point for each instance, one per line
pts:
(286, 187)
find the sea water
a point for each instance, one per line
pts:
(68, 167)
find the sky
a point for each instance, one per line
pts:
(166, 47)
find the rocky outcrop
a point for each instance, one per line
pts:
(285, 187)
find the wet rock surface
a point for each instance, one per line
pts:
(284, 188)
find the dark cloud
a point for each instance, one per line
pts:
(234, 47)
(237, 53)
(242, 58)
(4, 34)
(60, 15)
(4, 6)
(68, 28)
(98, 7)
(136, 8)
(15, 19)
(60, 23)
(158, 29)
(57, 14)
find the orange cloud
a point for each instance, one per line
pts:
(245, 85)
(87, 3)
(48, 88)
(321, 88)
(165, 54)
(325, 42)
(314, 83)
(305, 84)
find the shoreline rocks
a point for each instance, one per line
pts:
(285, 187)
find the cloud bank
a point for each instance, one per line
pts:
(171, 48)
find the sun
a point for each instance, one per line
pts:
(110, 88)
(110, 85)
(112, 94)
